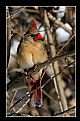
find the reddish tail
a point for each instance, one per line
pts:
(39, 94)
(36, 96)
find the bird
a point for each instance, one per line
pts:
(32, 51)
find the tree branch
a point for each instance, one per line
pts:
(59, 23)
(28, 94)
(51, 60)
(34, 70)
(69, 111)
(55, 66)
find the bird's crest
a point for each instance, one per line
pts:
(33, 29)
(33, 24)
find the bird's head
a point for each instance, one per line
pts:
(34, 31)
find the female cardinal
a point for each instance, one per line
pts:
(31, 51)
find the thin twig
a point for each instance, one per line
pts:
(28, 94)
(51, 60)
(17, 13)
(66, 111)
(17, 80)
(50, 97)
(34, 71)
(13, 99)
(55, 66)
(14, 31)
(41, 65)
(66, 44)
(59, 23)
(23, 106)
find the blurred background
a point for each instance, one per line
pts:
(57, 25)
